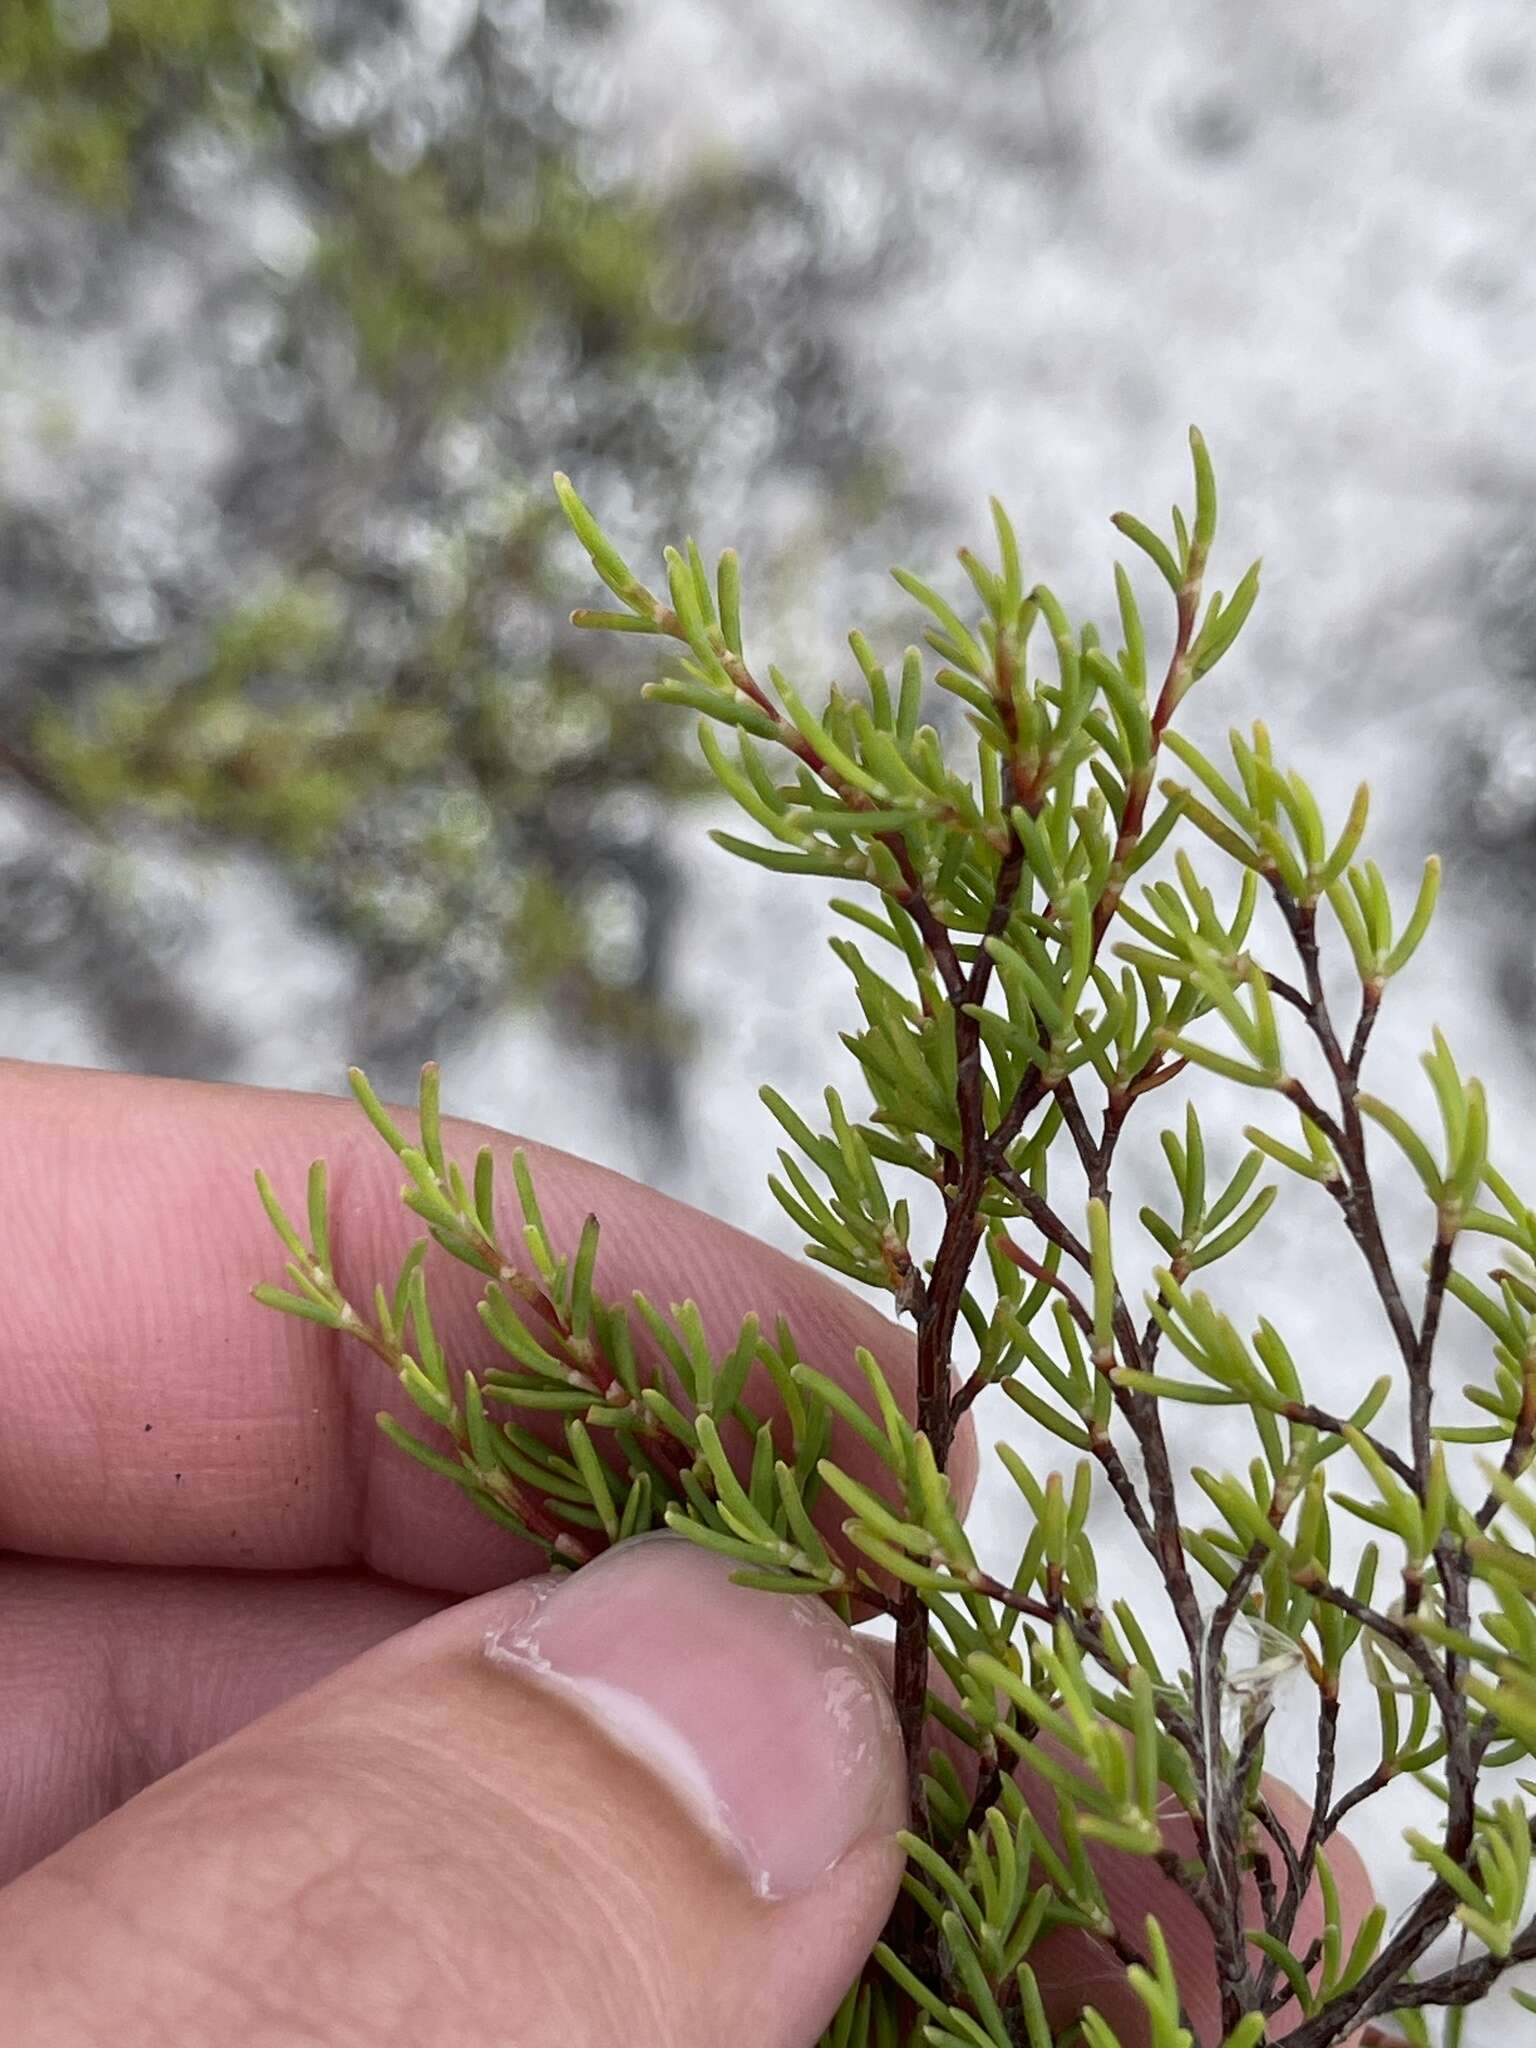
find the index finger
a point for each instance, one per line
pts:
(152, 1413)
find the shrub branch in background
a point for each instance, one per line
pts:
(1042, 937)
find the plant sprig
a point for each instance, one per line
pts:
(1049, 957)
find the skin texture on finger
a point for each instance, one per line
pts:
(151, 1413)
(114, 1676)
(437, 1845)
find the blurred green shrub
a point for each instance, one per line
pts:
(374, 701)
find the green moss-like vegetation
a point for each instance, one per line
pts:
(91, 91)
(337, 697)
(435, 283)
(273, 742)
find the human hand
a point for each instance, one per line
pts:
(367, 1794)
(227, 1595)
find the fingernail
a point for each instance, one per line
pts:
(759, 1710)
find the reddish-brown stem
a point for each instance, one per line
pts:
(1036, 1271)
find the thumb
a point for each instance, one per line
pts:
(641, 1805)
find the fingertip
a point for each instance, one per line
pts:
(758, 1710)
(517, 1785)
(964, 1467)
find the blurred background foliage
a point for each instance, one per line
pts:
(302, 300)
(412, 276)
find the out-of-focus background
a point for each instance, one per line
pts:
(302, 300)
